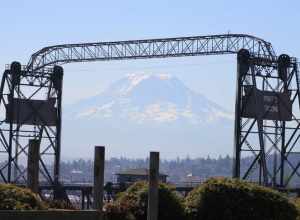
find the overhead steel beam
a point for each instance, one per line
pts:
(151, 48)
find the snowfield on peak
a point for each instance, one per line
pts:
(144, 98)
(141, 111)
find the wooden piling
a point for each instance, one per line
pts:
(99, 177)
(33, 165)
(152, 213)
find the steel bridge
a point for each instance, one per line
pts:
(30, 97)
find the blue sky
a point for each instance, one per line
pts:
(27, 26)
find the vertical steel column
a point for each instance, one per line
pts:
(283, 65)
(243, 57)
(57, 79)
(3, 80)
(275, 157)
(260, 127)
(15, 71)
(262, 155)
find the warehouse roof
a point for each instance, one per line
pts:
(137, 172)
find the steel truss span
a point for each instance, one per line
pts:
(152, 48)
(26, 90)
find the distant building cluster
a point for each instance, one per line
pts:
(139, 174)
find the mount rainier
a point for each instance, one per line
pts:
(140, 111)
(150, 99)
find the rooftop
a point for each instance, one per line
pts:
(137, 172)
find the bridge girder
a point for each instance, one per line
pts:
(151, 48)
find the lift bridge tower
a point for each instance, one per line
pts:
(31, 102)
(267, 122)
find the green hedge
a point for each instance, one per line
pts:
(133, 202)
(59, 204)
(296, 201)
(229, 199)
(16, 198)
(116, 211)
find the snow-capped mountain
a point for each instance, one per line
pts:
(145, 98)
(139, 113)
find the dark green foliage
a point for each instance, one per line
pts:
(117, 211)
(296, 201)
(16, 198)
(59, 204)
(229, 199)
(135, 200)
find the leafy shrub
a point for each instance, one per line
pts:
(135, 200)
(16, 198)
(116, 211)
(231, 199)
(296, 201)
(59, 204)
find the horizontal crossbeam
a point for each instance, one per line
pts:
(152, 48)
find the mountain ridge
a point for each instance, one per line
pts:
(142, 113)
(150, 98)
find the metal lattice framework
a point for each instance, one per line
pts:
(37, 82)
(271, 146)
(153, 48)
(15, 136)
